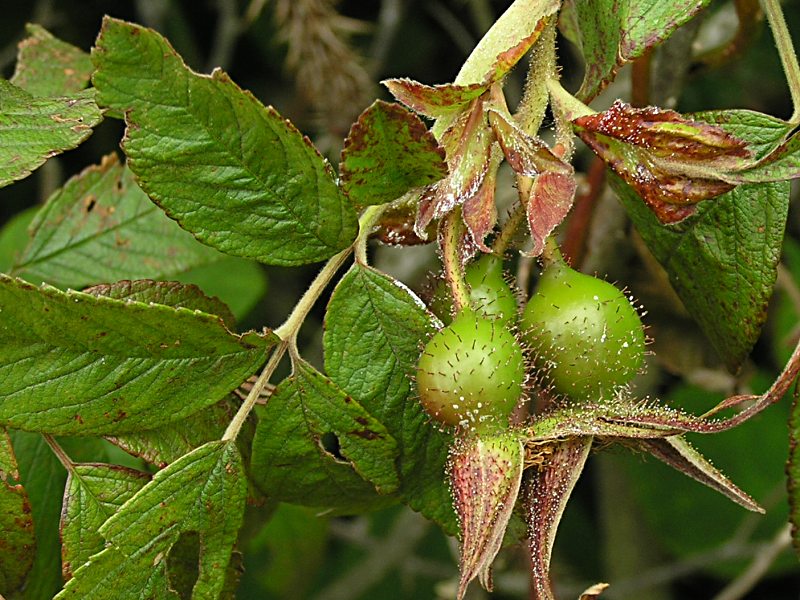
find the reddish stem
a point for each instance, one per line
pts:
(577, 231)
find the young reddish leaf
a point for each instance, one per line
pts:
(507, 59)
(671, 161)
(546, 496)
(468, 143)
(507, 41)
(480, 212)
(388, 152)
(395, 226)
(527, 155)
(485, 477)
(549, 202)
(434, 100)
(679, 454)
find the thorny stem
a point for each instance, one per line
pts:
(452, 229)
(65, 460)
(783, 41)
(513, 222)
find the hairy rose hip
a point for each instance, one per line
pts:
(471, 373)
(586, 336)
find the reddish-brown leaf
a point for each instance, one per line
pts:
(480, 212)
(550, 199)
(485, 477)
(671, 161)
(467, 143)
(527, 155)
(434, 100)
(548, 491)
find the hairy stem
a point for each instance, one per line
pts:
(255, 392)
(367, 222)
(777, 23)
(452, 230)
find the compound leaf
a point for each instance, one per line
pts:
(111, 366)
(228, 169)
(373, 359)
(102, 227)
(33, 129)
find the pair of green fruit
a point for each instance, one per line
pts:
(586, 338)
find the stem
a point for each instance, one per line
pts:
(244, 410)
(62, 457)
(783, 41)
(288, 331)
(566, 103)
(551, 255)
(513, 222)
(367, 221)
(452, 230)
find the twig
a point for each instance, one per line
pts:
(783, 40)
(759, 566)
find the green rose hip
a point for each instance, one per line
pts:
(586, 336)
(471, 373)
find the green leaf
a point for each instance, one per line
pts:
(763, 133)
(388, 152)
(163, 445)
(101, 227)
(34, 129)
(16, 522)
(228, 169)
(615, 32)
(14, 237)
(722, 261)
(111, 366)
(168, 293)
(238, 282)
(112, 574)
(93, 493)
(46, 66)
(43, 478)
(372, 358)
(202, 492)
(317, 446)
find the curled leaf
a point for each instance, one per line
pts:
(485, 477)
(671, 161)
